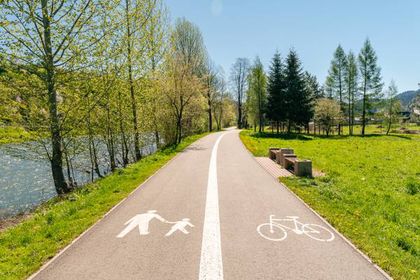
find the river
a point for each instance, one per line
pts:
(25, 173)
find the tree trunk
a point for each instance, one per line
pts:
(131, 83)
(179, 126)
(239, 115)
(341, 103)
(210, 120)
(124, 145)
(72, 183)
(364, 107)
(210, 111)
(56, 141)
(110, 136)
(389, 127)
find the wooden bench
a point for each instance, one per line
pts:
(288, 160)
(272, 153)
(281, 154)
(299, 167)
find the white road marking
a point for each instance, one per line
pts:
(211, 266)
(142, 221)
(276, 230)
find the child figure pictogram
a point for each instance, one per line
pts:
(179, 225)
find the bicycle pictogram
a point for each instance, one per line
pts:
(276, 230)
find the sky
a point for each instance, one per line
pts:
(314, 28)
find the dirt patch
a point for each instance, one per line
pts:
(12, 221)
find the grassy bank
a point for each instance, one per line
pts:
(13, 134)
(25, 247)
(371, 192)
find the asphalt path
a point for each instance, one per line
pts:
(211, 213)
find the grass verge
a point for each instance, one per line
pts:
(371, 192)
(26, 246)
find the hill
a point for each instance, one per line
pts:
(407, 96)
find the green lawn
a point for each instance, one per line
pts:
(25, 247)
(371, 191)
(13, 134)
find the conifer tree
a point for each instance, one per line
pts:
(276, 102)
(335, 79)
(371, 81)
(351, 81)
(298, 99)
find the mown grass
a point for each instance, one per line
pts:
(26, 246)
(371, 191)
(14, 134)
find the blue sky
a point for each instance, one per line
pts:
(314, 28)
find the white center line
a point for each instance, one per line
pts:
(211, 265)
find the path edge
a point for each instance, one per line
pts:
(74, 241)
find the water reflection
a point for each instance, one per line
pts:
(25, 173)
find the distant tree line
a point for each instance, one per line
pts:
(287, 98)
(283, 98)
(351, 79)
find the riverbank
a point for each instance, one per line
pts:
(371, 191)
(14, 134)
(53, 225)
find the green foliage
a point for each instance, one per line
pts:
(370, 74)
(12, 134)
(365, 194)
(276, 103)
(256, 95)
(276, 106)
(298, 99)
(336, 75)
(26, 246)
(238, 79)
(327, 113)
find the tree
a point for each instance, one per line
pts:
(185, 68)
(213, 83)
(327, 113)
(257, 93)
(238, 78)
(312, 86)
(276, 90)
(298, 99)
(44, 38)
(371, 81)
(336, 77)
(393, 106)
(414, 108)
(156, 44)
(137, 14)
(351, 86)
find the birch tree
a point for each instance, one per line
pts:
(45, 37)
(238, 79)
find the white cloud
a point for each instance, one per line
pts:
(216, 7)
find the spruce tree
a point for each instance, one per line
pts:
(298, 99)
(276, 103)
(371, 81)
